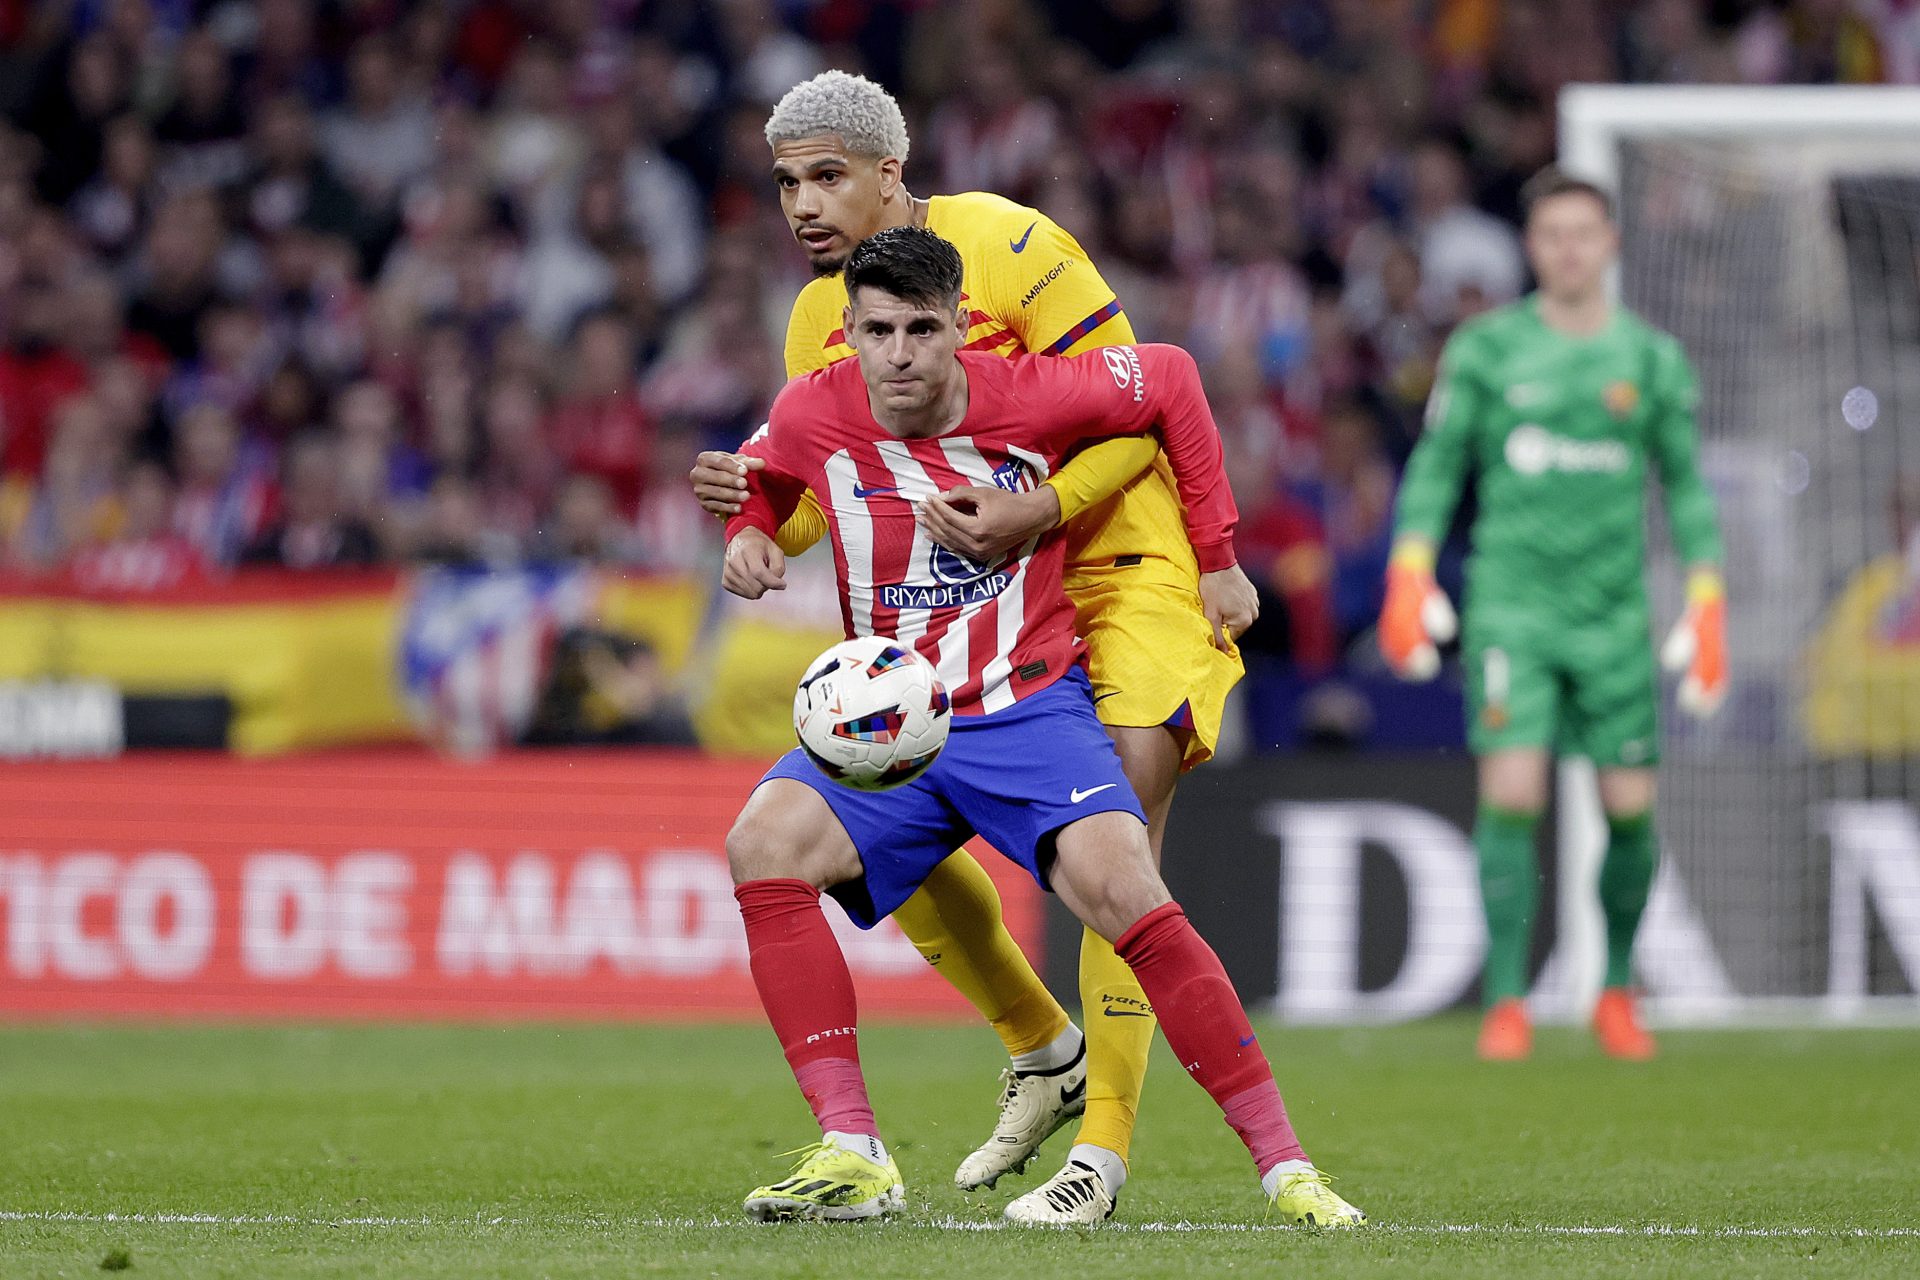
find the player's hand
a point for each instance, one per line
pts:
(983, 523)
(1416, 616)
(1228, 598)
(1697, 645)
(754, 565)
(720, 480)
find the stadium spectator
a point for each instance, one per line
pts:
(226, 483)
(145, 553)
(313, 530)
(73, 504)
(381, 138)
(598, 425)
(112, 208)
(36, 377)
(1356, 509)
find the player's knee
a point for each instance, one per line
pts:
(1626, 794)
(1104, 871)
(752, 853)
(760, 846)
(1513, 791)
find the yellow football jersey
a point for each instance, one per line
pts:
(1028, 286)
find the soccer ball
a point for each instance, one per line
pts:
(871, 713)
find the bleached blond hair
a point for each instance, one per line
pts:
(860, 112)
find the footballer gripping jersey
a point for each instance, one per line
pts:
(1001, 629)
(1028, 287)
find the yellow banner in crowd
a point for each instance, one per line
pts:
(307, 661)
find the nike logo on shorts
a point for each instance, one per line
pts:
(1079, 795)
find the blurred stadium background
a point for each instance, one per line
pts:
(361, 642)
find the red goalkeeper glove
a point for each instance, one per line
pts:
(1416, 614)
(1698, 645)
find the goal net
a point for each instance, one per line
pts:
(1776, 233)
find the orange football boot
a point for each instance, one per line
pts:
(1616, 1025)
(1506, 1033)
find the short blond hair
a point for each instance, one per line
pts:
(859, 112)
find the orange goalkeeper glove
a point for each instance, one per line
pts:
(1416, 614)
(1698, 645)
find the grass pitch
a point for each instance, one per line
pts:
(596, 1151)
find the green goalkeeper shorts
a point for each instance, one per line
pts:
(1585, 694)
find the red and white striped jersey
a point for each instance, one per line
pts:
(1000, 630)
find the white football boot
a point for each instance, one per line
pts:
(1033, 1107)
(1077, 1196)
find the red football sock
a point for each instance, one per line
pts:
(1207, 1026)
(807, 992)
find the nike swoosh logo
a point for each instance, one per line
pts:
(1075, 1093)
(1102, 697)
(858, 492)
(1249, 1040)
(1079, 795)
(1127, 1013)
(1020, 245)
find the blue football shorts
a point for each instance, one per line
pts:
(1015, 778)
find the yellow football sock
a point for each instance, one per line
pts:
(954, 921)
(1119, 1026)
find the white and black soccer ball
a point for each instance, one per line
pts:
(871, 713)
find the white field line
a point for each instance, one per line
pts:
(1645, 1231)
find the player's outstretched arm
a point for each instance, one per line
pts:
(982, 522)
(754, 565)
(720, 483)
(1161, 383)
(1697, 646)
(1099, 471)
(1416, 613)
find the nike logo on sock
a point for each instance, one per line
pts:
(1079, 795)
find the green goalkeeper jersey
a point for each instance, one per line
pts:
(1558, 431)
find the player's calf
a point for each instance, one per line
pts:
(1102, 871)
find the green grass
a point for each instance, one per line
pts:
(595, 1151)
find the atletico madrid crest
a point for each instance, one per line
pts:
(1620, 398)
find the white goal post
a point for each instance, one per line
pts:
(1799, 341)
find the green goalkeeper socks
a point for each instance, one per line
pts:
(1626, 877)
(1509, 889)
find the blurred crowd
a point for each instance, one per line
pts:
(311, 283)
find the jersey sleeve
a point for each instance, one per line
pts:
(1124, 391)
(805, 353)
(774, 491)
(806, 526)
(1057, 303)
(1052, 295)
(1673, 444)
(1099, 471)
(1437, 470)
